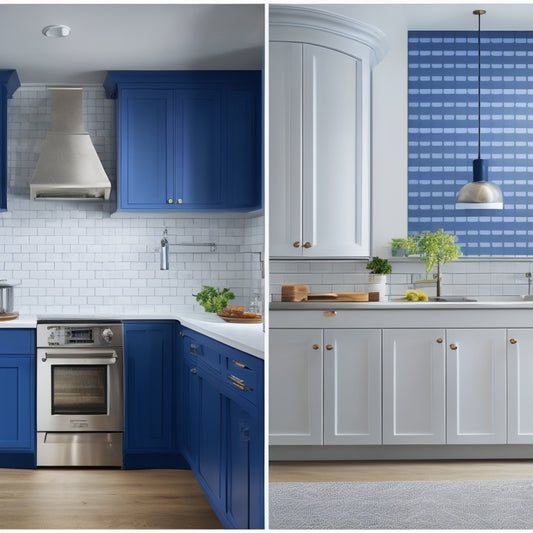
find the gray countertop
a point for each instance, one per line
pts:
(485, 302)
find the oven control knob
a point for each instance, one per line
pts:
(107, 335)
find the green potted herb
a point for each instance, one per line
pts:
(214, 300)
(436, 248)
(377, 279)
(401, 247)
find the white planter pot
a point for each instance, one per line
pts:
(378, 283)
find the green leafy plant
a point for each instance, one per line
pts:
(379, 266)
(402, 247)
(436, 249)
(212, 299)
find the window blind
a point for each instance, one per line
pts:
(443, 142)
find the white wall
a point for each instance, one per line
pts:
(74, 257)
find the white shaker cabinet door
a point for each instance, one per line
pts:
(295, 385)
(285, 174)
(335, 154)
(414, 386)
(520, 386)
(352, 386)
(477, 391)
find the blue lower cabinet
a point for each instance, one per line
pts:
(17, 398)
(222, 417)
(150, 396)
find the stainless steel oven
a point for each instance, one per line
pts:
(79, 393)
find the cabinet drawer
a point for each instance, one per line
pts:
(17, 341)
(205, 354)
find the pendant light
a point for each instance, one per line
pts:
(480, 193)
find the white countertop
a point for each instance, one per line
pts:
(246, 337)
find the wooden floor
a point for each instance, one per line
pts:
(399, 470)
(103, 499)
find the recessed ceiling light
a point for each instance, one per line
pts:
(56, 30)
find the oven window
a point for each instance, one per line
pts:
(79, 389)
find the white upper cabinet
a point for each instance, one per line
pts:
(320, 68)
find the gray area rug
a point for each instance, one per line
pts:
(403, 505)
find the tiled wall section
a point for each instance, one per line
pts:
(464, 277)
(76, 257)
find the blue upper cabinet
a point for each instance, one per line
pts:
(9, 83)
(188, 140)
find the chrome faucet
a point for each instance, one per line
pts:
(436, 280)
(528, 276)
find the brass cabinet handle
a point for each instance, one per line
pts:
(439, 340)
(239, 383)
(238, 363)
(330, 313)
(170, 201)
(513, 341)
(296, 244)
(307, 245)
(329, 347)
(316, 346)
(453, 346)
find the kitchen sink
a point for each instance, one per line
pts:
(451, 299)
(488, 298)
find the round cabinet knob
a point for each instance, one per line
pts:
(107, 335)
(329, 347)
(296, 244)
(179, 201)
(170, 200)
(316, 346)
(307, 245)
(439, 340)
(513, 341)
(194, 371)
(453, 346)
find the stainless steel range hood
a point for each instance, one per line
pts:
(69, 167)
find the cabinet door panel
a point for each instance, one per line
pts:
(146, 153)
(335, 198)
(414, 386)
(240, 428)
(477, 391)
(211, 472)
(17, 413)
(3, 151)
(520, 389)
(285, 177)
(295, 386)
(242, 123)
(149, 388)
(198, 149)
(352, 387)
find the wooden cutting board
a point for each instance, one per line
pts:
(8, 316)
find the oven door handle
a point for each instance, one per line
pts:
(81, 356)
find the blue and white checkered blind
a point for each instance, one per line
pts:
(443, 140)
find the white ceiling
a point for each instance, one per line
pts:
(128, 37)
(439, 16)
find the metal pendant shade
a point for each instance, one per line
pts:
(480, 193)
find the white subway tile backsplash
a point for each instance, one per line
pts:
(76, 257)
(471, 277)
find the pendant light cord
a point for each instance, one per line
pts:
(479, 13)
